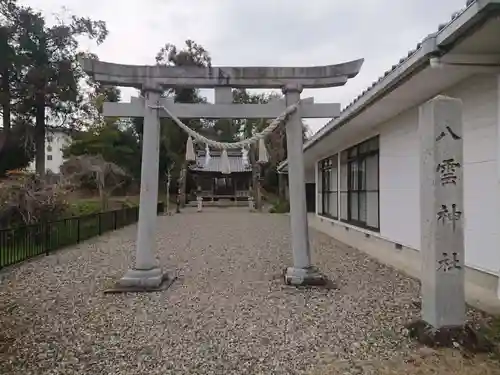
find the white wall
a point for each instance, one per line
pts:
(399, 175)
(309, 175)
(481, 194)
(399, 180)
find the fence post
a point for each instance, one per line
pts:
(3, 248)
(46, 229)
(44, 237)
(78, 230)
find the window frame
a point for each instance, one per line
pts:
(327, 165)
(357, 156)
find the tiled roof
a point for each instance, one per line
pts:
(214, 165)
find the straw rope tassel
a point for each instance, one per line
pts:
(190, 156)
(225, 166)
(263, 158)
(207, 155)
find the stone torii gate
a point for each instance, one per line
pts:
(147, 274)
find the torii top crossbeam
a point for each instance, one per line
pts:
(246, 77)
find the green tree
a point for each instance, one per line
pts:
(275, 143)
(16, 148)
(91, 101)
(173, 139)
(7, 70)
(192, 54)
(117, 146)
(225, 130)
(18, 151)
(50, 85)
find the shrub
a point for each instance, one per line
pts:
(84, 207)
(27, 199)
(280, 207)
(92, 170)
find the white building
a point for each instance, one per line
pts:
(365, 164)
(56, 140)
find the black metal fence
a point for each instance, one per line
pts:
(21, 243)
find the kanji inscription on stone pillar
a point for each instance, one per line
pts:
(442, 212)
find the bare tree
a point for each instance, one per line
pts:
(106, 176)
(169, 180)
(26, 199)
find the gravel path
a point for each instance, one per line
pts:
(228, 313)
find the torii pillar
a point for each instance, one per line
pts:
(146, 273)
(302, 272)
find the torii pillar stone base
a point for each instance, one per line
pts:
(147, 276)
(302, 272)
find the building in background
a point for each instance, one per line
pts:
(365, 164)
(213, 185)
(56, 139)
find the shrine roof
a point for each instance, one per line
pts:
(215, 163)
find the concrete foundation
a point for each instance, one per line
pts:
(142, 281)
(304, 277)
(480, 287)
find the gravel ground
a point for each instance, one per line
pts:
(228, 313)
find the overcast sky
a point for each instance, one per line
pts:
(266, 32)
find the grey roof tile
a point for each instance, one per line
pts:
(214, 165)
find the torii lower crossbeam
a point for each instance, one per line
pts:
(309, 109)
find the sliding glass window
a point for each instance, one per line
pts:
(328, 179)
(359, 185)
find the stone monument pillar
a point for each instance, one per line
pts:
(146, 273)
(302, 273)
(442, 212)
